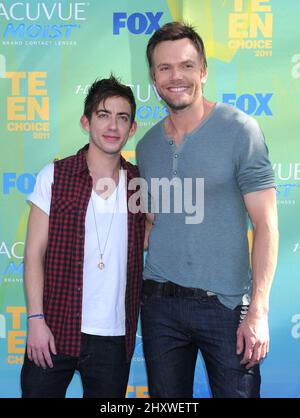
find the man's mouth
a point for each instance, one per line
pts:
(178, 89)
(111, 138)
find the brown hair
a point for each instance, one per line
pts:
(105, 88)
(173, 31)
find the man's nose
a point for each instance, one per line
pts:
(176, 74)
(113, 123)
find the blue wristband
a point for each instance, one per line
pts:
(39, 315)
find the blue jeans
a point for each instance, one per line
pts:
(101, 364)
(174, 328)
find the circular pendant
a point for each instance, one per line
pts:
(101, 265)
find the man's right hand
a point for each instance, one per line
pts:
(40, 341)
(148, 223)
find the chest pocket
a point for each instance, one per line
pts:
(65, 206)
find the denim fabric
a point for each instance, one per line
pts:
(102, 366)
(175, 328)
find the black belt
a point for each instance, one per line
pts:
(151, 287)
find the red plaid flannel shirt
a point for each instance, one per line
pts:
(71, 192)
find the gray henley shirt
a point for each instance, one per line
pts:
(228, 151)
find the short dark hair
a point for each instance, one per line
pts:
(173, 31)
(105, 88)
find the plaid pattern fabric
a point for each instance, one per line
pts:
(71, 192)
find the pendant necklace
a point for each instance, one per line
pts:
(101, 264)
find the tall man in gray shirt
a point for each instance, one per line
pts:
(200, 292)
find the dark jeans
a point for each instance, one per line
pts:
(101, 364)
(174, 329)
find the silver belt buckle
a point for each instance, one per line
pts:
(210, 293)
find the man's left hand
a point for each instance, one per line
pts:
(253, 338)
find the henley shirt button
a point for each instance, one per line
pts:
(175, 173)
(171, 142)
(175, 155)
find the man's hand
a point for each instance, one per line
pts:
(253, 338)
(39, 340)
(149, 223)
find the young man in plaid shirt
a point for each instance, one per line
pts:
(84, 258)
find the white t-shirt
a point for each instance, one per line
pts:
(103, 305)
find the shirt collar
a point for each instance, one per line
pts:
(81, 164)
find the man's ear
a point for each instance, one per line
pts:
(85, 123)
(152, 74)
(132, 129)
(204, 75)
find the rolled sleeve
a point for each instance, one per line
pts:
(254, 169)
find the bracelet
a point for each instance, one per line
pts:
(39, 315)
